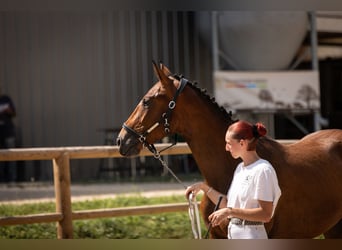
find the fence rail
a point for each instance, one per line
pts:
(60, 157)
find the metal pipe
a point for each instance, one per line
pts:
(215, 44)
(314, 60)
(313, 36)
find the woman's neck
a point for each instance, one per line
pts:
(249, 158)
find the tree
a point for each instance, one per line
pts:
(307, 94)
(265, 96)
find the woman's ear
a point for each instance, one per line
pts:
(244, 143)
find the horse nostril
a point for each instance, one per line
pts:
(118, 141)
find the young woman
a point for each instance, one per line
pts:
(254, 191)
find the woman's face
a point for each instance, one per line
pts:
(233, 146)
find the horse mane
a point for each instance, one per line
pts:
(203, 92)
(267, 147)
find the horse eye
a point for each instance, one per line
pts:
(145, 102)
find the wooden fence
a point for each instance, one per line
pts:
(61, 157)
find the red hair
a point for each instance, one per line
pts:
(242, 130)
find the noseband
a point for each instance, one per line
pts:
(165, 116)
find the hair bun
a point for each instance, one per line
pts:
(259, 130)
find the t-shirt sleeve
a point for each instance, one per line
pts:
(267, 188)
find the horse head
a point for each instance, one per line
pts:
(151, 119)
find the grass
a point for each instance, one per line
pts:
(156, 226)
(160, 226)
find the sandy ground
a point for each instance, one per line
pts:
(40, 192)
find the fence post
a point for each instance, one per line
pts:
(61, 171)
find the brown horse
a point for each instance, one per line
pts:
(309, 171)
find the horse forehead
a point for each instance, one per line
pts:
(160, 89)
(154, 90)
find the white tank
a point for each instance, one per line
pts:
(257, 40)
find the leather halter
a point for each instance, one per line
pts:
(165, 116)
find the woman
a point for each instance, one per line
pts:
(254, 191)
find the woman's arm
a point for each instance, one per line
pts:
(262, 213)
(212, 194)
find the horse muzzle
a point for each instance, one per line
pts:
(128, 145)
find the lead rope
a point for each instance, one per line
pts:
(194, 217)
(193, 210)
(158, 157)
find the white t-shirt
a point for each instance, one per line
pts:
(257, 181)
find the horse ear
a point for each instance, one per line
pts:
(156, 69)
(165, 69)
(161, 73)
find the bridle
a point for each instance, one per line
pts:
(166, 116)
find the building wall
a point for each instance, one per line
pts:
(72, 74)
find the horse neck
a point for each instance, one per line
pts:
(198, 120)
(203, 127)
(202, 131)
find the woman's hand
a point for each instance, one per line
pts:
(217, 217)
(195, 188)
